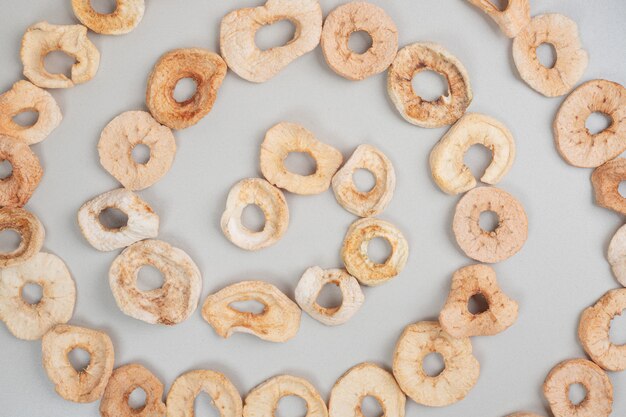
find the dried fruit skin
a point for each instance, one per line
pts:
(22, 97)
(453, 383)
(279, 321)
(363, 380)
(238, 29)
(269, 199)
(594, 328)
(446, 159)
(312, 282)
(123, 19)
(571, 60)
(206, 68)
(124, 380)
(354, 17)
(170, 304)
(606, 180)
(43, 38)
(419, 57)
(31, 232)
(262, 401)
(458, 321)
(285, 138)
(599, 399)
(143, 222)
(365, 203)
(514, 17)
(119, 138)
(19, 186)
(355, 256)
(490, 246)
(576, 144)
(185, 389)
(85, 386)
(617, 255)
(31, 321)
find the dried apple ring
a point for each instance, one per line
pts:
(571, 59)
(284, 138)
(124, 380)
(453, 383)
(119, 138)
(419, 57)
(42, 38)
(170, 304)
(355, 256)
(374, 201)
(239, 27)
(269, 199)
(79, 386)
(279, 321)
(446, 159)
(605, 180)
(455, 317)
(363, 380)
(23, 97)
(19, 186)
(263, 400)
(123, 19)
(617, 255)
(490, 246)
(31, 232)
(187, 387)
(143, 222)
(312, 282)
(31, 321)
(355, 17)
(576, 144)
(513, 18)
(594, 328)
(206, 68)
(599, 399)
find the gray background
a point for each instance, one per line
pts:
(561, 270)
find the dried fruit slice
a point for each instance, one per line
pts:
(169, 304)
(204, 67)
(453, 383)
(119, 138)
(524, 414)
(312, 282)
(122, 383)
(571, 59)
(617, 255)
(363, 380)
(428, 56)
(606, 180)
(594, 328)
(239, 27)
(576, 144)
(511, 19)
(87, 385)
(285, 138)
(23, 97)
(19, 186)
(43, 38)
(31, 321)
(599, 399)
(355, 17)
(123, 19)
(31, 232)
(262, 401)
(279, 321)
(143, 222)
(374, 201)
(446, 159)
(186, 388)
(455, 317)
(269, 199)
(354, 251)
(490, 246)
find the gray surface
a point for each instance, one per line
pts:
(561, 270)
